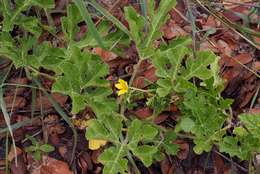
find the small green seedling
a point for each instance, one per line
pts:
(37, 148)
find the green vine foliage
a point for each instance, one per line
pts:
(191, 79)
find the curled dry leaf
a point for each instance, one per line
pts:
(218, 163)
(197, 170)
(84, 162)
(167, 167)
(184, 149)
(94, 156)
(52, 166)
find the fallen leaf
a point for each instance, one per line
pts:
(254, 111)
(84, 162)
(161, 118)
(243, 58)
(43, 101)
(14, 103)
(94, 156)
(20, 168)
(105, 55)
(167, 167)
(51, 166)
(11, 154)
(219, 164)
(183, 149)
(256, 65)
(224, 47)
(143, 113)
(17, 90)
(172, 30)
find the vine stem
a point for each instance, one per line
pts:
(136, 68)
(122, 100)
(136, 170)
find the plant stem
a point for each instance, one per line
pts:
(40, 73)
(136, 68)
(136, 170)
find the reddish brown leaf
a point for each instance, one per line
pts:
(11, 154)
(143, 113)
(224, 47)
(219, 164)
(20, 168)
(52, 166)
(43, 101)
(17, 90)
(84, 162)
(256, 65)
(184, 149)
(105, 55)
(172, 30)
(167, 167)
(254, 111)
(161, 118)
(14, 103)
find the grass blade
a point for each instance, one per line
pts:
(143, 5)
(110, 17)
(91, 26)
(7, 121)
(62, 114)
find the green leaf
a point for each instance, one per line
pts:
(70, 23)
(187, 124)
(44, 3)
(106, 127)
(136, 24)
(31, 149)
(168, 144)
(202, 118)
(157, 19)
(114, 160)
(198, 68)
(30, 24)
(138, 131)
(37, 155)
(169, 65)
(241, 149)
(145, 153)
(110, 17)
(252, 123)
(47, 148)
(91, 26)
(83, 80)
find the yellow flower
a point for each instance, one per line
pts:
(122, 86)
(96, 144)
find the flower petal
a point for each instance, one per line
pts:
(122, 91)
(119, 86)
